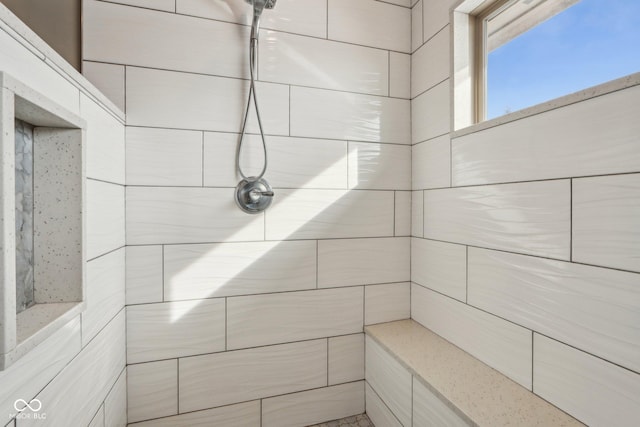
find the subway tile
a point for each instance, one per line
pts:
(377, 410)
(403, 213)
(436, 16)
(379, 166)
(346, 359)
(241, 415)
(158, 215)
(430, 63)
(318, 113)
(35, 73)
(564, 142)
(31, 373)
(431, 163)
(152, 390)
(386, 303)
(430, 115)
(194, 45)
(105, 292)
(293, 316)
(105, 217)
(293, 162)
(307, 163)
(144, 274)
(390, 380)
(105, 146)
(108, 78)
(115, 404)
(368, 23)
(175, 329)
(417, 213)
(500, 344)
(606, 221)
(308, 17)
(164, 157)
(594, 309)
(308, 61)
(167, 99)
(77, 392)
(591, 389)
(348, 262)
(313, 406)
(226, 269)
(329, 214)
(97, 421)
(429, 409)
(416, 26)
(440, 266)
(237, 376)
(166, 5)
(399, 75)
(531, 218)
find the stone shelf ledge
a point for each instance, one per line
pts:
(476, 392)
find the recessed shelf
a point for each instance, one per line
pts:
(54, 231)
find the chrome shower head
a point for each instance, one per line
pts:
(258, 7)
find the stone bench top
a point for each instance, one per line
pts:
(474, 390)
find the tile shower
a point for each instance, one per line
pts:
(201, 315)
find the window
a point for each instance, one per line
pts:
(527, 52)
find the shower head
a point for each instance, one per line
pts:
(258, 7)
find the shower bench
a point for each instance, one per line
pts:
(416, 378)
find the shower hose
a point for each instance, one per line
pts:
(253, 47)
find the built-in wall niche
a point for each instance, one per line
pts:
(42, 223)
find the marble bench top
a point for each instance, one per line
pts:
(474, 390)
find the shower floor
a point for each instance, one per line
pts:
(355, 421)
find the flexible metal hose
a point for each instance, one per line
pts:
(253, 47)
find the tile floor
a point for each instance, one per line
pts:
(355, 421)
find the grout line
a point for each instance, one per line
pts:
(203, 158)
(246, 80)
(226, 324)
(335, 288)
(389, 74)
(279, 135)
(327, 22)
(533, 333)
(327, 362)
(394, 212)
(290, 110)
(413, 98)
(178, 382)
(571, 219)
(466, 299)
(163, 263)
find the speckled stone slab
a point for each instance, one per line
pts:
(476, 391)
(355, 421)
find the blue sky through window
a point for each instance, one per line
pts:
(591, 42)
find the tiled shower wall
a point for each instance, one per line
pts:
(78, 373)
(240, 319)
(526, 236)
